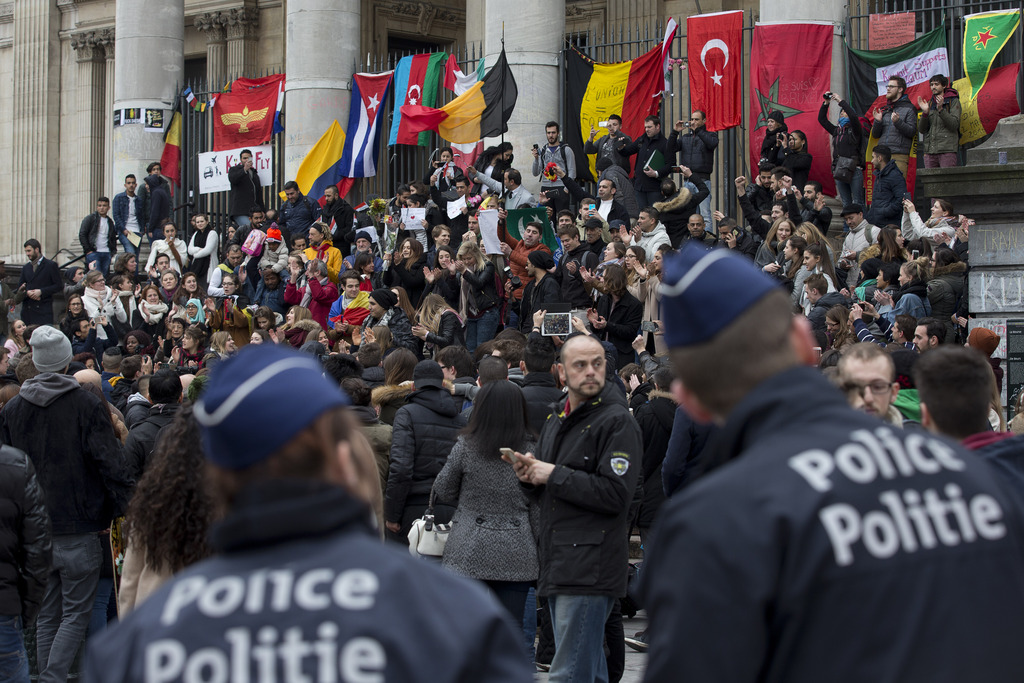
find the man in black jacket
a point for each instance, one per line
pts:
(889, 191)
(25, 558)
(246, 191)
(584, 475)
(696, 151)
(66, 432)
(98, 236)
(649, 170)
(343, 215)
(575, 255)
(827, 527)
(543, 288)
(539, 387)
(165, 399)
(425, 429)
(40, 280)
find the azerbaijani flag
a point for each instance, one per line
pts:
(985, 34)
(170, 159)
(480, 112)
(630, 89)
(416, 81)
(321, 168)
(362, 145)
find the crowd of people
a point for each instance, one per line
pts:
(258, 400)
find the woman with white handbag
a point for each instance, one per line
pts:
(492, 537)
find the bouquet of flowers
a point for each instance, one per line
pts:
(377, 208)
(550, 171)
(474, 201)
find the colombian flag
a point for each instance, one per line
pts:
(170, 160)
(630, 89)
(416, 81)
(322, 166)
(480, 112)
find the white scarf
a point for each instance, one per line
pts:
(152, 313)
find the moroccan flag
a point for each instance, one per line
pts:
(480, 112)
(362, 144)
(985, 34)
(517, 219)
(245, 116)
(916, 62)
(416, 81)
(170, 160)
(792, 81)
(996, 100)
(714, 44)
(322, 166)
(630, 89)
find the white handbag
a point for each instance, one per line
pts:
(427, 537)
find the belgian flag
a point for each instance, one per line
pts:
(481, 112)
(170, 160)
(595, 91)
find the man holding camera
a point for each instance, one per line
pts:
(517, 254)
(696, 147)
(246, 191)
(606, 148)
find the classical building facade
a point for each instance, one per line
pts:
(74, 63)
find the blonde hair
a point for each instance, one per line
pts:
(478, 256)
(431, 310)
(219, 340)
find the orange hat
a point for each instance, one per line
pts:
(983, 339)
(274, 234)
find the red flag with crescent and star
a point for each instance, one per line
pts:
(714, 55)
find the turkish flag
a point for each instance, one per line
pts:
(714, 55)
(244, 118)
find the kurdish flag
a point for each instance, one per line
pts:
(480, 112)
(516, 222)
(985, 34)
(322, 166)
(916, 62)
(630, 89)
(416, 81)
(170, 159)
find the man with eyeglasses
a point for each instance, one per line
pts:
(696, 147)
(868, 377)
(696, 232)
(896, 122)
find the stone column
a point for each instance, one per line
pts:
(35, 156)
(318, 89)
(212, 25)
(241, 26)
(91, 98)
(536, 31)
(149, 74)
(107, 41)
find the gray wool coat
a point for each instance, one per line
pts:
(492, 536)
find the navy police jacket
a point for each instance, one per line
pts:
(302, 590)
(832, 547)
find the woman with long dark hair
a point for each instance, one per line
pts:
(406, 270)
(616, 319)
(492, 537)
(169, 514)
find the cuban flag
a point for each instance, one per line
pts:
(362, 143)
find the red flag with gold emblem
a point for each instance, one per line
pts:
(244, 117)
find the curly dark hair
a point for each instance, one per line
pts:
(171, 511)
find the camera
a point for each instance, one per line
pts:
(536, 146)
(827, 95)
(514, 279)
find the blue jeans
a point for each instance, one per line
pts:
(853, 191)
(67, 605)
(13, 659)
(241, 221)
(645, 199)
(129, 248)
(481, 329)
(578, 622)
(530, 623)
(101, 606)
(102, 260)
